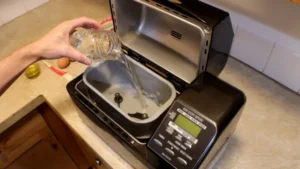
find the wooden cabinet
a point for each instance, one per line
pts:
(295, 1)
(43, 140)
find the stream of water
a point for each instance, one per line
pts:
(104, 45)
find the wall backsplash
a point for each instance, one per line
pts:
(11, 9)
(267, 37)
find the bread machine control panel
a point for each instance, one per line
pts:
(183, 137)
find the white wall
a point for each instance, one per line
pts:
(10, 9)
(278, 14)
(267, 37)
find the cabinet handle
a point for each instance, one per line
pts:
(98, 162)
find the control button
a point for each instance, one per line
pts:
(177, 148)
(172, 115)
(158, 142)
(181, 160)
(188, 144)
(166, 156)
(170, 130)
(183, 147)
(173, 145)
(186, 155)
(170, 151)
(194, 140)
(176, 142)
(161, 136)
(179, 137)
(186, 135)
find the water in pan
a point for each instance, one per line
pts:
(133, 77)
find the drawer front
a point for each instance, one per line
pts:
(20, 137)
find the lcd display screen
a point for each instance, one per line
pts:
(187, 125)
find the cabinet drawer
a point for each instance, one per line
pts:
(284, 67)
(40, 138)
(20, 137)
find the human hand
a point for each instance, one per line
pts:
(56, 43)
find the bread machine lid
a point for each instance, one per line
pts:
(171, 39)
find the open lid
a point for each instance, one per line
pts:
(166, 36)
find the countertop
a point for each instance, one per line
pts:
(267, 136)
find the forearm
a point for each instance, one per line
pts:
(13, 65)
(53, 45)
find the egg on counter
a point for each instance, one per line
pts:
(63, 63)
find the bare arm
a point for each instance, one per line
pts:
(14, 64)
(52, 46)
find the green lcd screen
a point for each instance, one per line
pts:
(187, 125)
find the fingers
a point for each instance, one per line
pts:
(84, 22)
(77, 56)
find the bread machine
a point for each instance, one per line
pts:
(178, 48)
